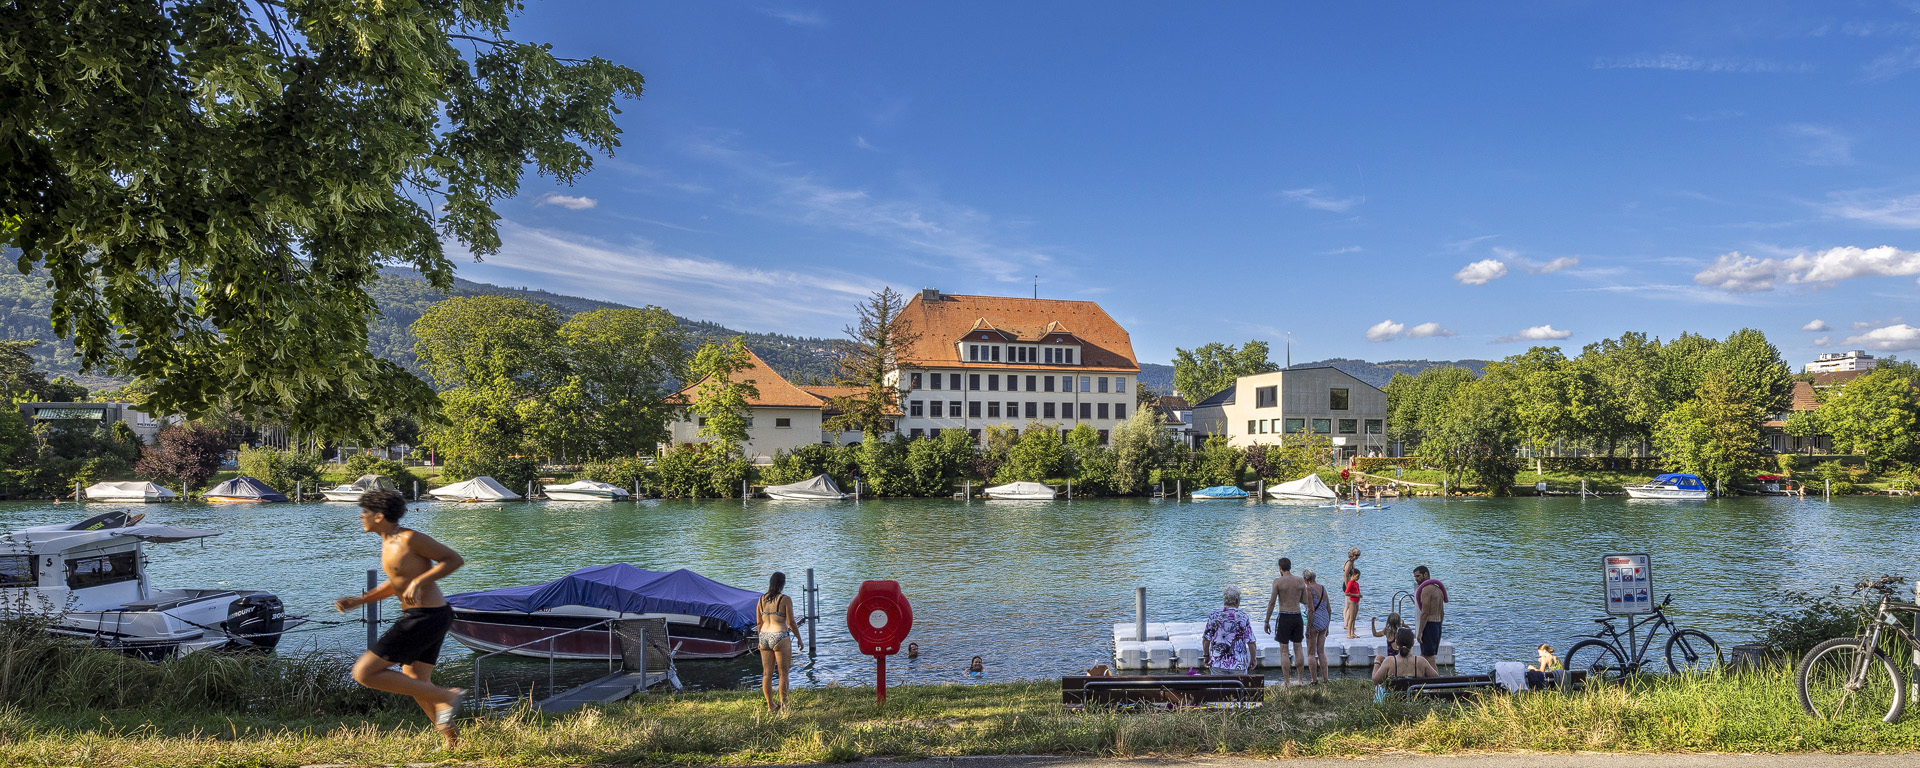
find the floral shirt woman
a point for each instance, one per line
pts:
(1229, 638)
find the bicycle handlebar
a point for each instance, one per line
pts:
(1883, 585)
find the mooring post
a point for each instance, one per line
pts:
(296, 489)
(813, 616)
(76, 490)
(416, 490)
(1583, 487)
(636, 490)
(1261, 494)
(1069, 490)
(1140, 614)
(1177, 492)
(1829, 490)
(372, 610)
(529, 490)
(743, 488)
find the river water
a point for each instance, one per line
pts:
(1035, 587)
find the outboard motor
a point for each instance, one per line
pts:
(256, 620)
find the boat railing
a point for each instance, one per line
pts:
(548, 640)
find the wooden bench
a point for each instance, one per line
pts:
(1162, 691)
(1455, 686)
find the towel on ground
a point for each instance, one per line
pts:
(1511, 675)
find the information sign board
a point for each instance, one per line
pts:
(1629, 582)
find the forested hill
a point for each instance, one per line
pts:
(1378, 374)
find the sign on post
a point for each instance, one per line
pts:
(1629, 581)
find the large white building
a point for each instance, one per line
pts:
(982, 361)
(1264, 409)
(1850, 360)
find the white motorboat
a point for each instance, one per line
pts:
(586, 490)
(1309, 488)
(478, 489)
(1671, 486)
(129, 492)
(1022, 491)
(92, 578)
(816, 488)
(352, 491)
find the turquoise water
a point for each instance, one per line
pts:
(1035, 587)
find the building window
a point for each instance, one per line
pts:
(934, 409)
(913, 409)
(993, 382)
(1066, 383)
(1337, 399)
(973, 351)
(953, 408)
(1086, 410)
(936, 380)
(1069, 356)
(1119, 410)
(1030, 382)
(1374, 426)
(996, 353)
(993, 409)
(1296, 426)
(1262, 430)
(975, 434)
(973, 381)
(916, 433)
(1086, 383)
(1322, 426)
(973, 409)
(1103, 383)
(1103, 437)
(1266, 397)
(1013, 383)
(1046, 381)
(915, 378)
(703, 421)
(1046, 410)
(1033, 410)
(788, 423)
(1049, 356)
(1253, 427)
(1102, 410)
(1349, 426)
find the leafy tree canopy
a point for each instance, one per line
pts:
(1203, 372)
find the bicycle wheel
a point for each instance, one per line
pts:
(1691, 650)
(1841, 679)
(1599, 658)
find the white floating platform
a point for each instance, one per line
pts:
(1177, 646)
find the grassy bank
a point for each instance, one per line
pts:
(1735, 713)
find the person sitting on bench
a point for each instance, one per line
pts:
(1406, 663)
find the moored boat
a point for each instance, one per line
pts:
(1673, 485)
(586, 490)
(1309, 488)
(1022, 491)
(1221, 492)
(477, 489)
(816, 488)
(242, 489)
(705, 618)
(354, 490)
(129, 493)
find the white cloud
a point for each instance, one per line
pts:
(1823, 341)
(1385, 330)
(1816, 326)
(1425, 330)
(1821, 145)
(1894, 63)
(1341, 251)
(1893, 338)
(568, 202)
(1564, 262)
(1740, 273)
(861, 142)
(1678, 62)
(1461, 246)
(1536, 333)
(1481, 272)
(798, 18)
(1894, 212)
(1319, 201)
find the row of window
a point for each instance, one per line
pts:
(935, 434)
(989, 353)
(1269, 397)
(1035, 383)
(951, 409)
(1320, 426)
(781, 422)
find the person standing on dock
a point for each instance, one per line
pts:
(415, 563)
(1228, 642)
(1350, 586)
(1319, 620)
(1289, 592)
(778, 636)
(1431, 599)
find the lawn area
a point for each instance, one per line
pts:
(1753, 712)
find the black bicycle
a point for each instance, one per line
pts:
(1605, 657)
(1849, 677)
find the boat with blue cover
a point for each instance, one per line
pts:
(1221, 492)
(705, 618)
(1673, 485)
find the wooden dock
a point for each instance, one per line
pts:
(1177, 645)
(605, 690)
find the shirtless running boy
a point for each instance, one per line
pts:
(414, 563)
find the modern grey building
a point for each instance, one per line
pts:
(1265, 408)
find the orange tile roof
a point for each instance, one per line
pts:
(1831, 378)
(826, 392)
(1803, 397)
(944, 321)
(775, 390)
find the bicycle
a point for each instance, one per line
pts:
(1605, 657)
(1850, 676)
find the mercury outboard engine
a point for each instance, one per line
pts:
(256, 621)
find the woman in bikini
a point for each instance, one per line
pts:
(777, 627)
(1350, 586)
(1406, 663)
(1319, 620)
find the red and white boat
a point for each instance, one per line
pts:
(705, 618)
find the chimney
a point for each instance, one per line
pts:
(929, 294)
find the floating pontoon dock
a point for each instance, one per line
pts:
(1178, 645)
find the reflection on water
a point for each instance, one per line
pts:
(1036, 587)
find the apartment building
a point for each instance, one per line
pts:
(1266, 408)
(1850, 360)
(983, 361)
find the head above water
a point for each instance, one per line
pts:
(775, 583)
(1286, 565)
(385, 504)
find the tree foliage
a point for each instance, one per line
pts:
(868, 357)
(212, 185)
(1877, 415)
(1037, 456)
(1473, 438)
(1716, 434)
(1416, 403)
(187, 454)
(721, 397)
(1203, 372)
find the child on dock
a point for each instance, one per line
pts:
(1352, 590)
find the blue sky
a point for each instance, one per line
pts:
(1383, 181)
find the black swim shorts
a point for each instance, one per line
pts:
(1430, 639)
(415, 636)
(1288, 629)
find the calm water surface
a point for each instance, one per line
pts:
(1035, 587)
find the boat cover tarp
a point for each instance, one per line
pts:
(1685, 482)
(1221, 492)
(1022, 488)
(129, 489)
(375, 483)
(244, 487)
(816, 487)
(589, 485)
(1311, 487)
(622, 587)
(480, 488)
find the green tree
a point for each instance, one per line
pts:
(1139, 445)
(187, 454)
(1877, 415)
(499, 360)
(722, 398)
(624, 364)
(1683, 365)
(20, 380)
(867, 360)
(1804, 425)
(1754, 367)
(1416, 403)
(1093, 465)
(1541, 385)
(1716, 435)
(1203, 372)
(1220, 463)
(212, 187)
(940, 463)
(281, 469)
(884, 465)
(1474, 438)
(1037, 456)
